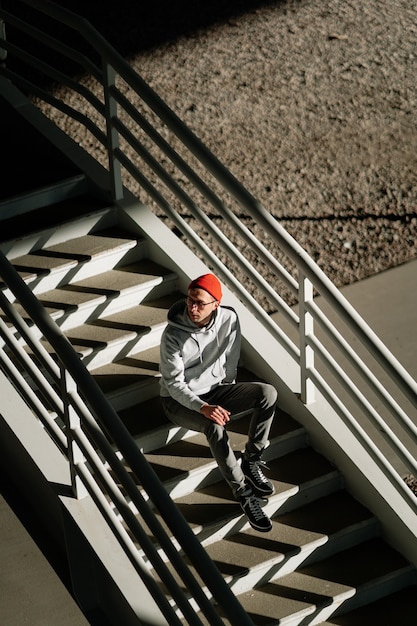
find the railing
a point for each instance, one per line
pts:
(149, 150)
(68, 402)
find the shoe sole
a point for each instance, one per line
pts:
(261, 530)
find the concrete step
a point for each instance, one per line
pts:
(122, 334)
(130, 380)
(45, 195)
(213, 513)
(134, 391)
(187, 465)
(112, 303)
(72, 261)
(308, 535)
(148, 425)
(110, 292)
(107, 333)
(54, 225)
(347, 580)
(298, 538)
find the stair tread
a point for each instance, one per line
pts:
(313, 523)
(103, 340)
(72, 298)
(143, 315)
(316, 586)
(376, 557)
(125, 276)
(93, 244)
(187, 455)
(65, 260)
(103, 287)
(71, 252)
(212, 503)
(122, 326)
(285, 424)
(304, 521)
(131, 370)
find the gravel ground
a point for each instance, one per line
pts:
(312, 105)
(411, 481)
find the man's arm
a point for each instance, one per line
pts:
(172, 371)
(233, 352)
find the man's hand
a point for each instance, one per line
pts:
(216, 413)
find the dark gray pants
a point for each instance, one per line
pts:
(236, 398)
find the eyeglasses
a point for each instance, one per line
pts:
(198, 303)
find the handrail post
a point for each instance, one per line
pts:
(115, 170)
(306, 329)
(72, 421)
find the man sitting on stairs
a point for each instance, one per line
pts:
(200, 350)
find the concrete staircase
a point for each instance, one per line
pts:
(324, 559)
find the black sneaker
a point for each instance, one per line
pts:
(252, 509)
(256, 478)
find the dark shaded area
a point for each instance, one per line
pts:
(23, 511)
(57, 559)
(131, 26)
(32, 162)
(49, 216)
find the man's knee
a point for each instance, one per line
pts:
(214, 432)
(269, 394)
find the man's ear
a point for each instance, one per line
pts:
(216, 304)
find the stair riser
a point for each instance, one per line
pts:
(83, 226)
(70, 273)
(346, 601)
(44, 196)
(313, 552)
(203, 477)
(288, 500)
(129, 334)
(366, 594)
(130, 396)
(103, 307)
(309, 614)
(123, 348)
(41, 279)
(162, 436)
(308, 492)
(209, 474)
(77, 272)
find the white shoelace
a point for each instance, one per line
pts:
(256, 470)
(254, 507)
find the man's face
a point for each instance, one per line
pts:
(200, 306)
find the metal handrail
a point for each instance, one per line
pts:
(95, 398)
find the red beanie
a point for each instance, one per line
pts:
(209, 283)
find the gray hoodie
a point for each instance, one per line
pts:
(196, 360)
